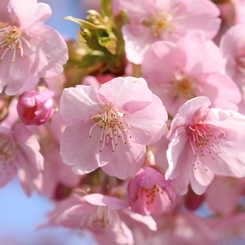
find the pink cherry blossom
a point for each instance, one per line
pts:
(232, 46)
(36, 106)
(151, 21)
(205, 142)
(228, 228)
(98, 213)
(177, 228)
(149, 192)
(19, 152)
(103, 215)
(110, 126)
(229, 190)
(194, 70)
(28, 46)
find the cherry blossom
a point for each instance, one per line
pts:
(195, 69)
(155, 156)
(98, 213)
(204, 142)
(149, 193)
(232, 46)
(28, 46)
(229, 190)
(110, 126)
(36, 106)
(151, 21)
(19, 152)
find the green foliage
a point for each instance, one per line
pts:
(100, 35)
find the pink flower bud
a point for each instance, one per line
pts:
(192, 200)
(150, 193)
(36, 106)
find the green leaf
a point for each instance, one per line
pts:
(106, 10)
(85, 24)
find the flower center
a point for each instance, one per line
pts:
(150, 195)
(11, 39)
(103, 218)
(166, 25)
(184, 87)
(204, 140)
(113, 126)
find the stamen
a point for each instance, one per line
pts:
(112, 124)
(205, 138)
(168, 25)
(11, 39)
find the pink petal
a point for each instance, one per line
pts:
(79, 104)
(81, 151)
(200, 176)
(202, 15)
(202, 56)
(29, 14)
(128, 93)
(156, 67)
(49, 52)
(126, 161)
(231, 161)
(233, 41)
(176, 152)
(137, 42)
(222, 91)
(101, 200)
(147, 220)
(148, 125)
(29, 159)
(189, 112)
(14, 74)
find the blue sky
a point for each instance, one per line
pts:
(21, 215)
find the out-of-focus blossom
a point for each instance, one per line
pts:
(232, 47)
(194, 70)
(98, 213)
(110, 126)
(149, 193)
(229, 228)
(28, 46)
(205, 142)
(98, 80)
(151, 21)
(178, 227)
(19, 151)
(36, 106)
(229, 190)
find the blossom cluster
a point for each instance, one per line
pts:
(135, 127)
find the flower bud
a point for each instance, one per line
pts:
(36, 106)
(150, 193)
